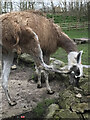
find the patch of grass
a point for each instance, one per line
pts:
(85, 55)
(66, 18)
(81, 33)
(41, 107)
(62, 55)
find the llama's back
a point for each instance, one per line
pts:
(43, 27)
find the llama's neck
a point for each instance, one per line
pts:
(66, 43)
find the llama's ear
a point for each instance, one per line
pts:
(79, 57)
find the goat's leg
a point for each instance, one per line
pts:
(7, 62)
(47, 61)
(39, 71)
(49, 91)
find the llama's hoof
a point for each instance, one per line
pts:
(12, 103)
(50, 92)
(39, 86)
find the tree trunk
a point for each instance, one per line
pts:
(0, 8)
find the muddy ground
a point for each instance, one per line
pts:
(24, 90)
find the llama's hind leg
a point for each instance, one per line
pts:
(38, 73)
(7, 62)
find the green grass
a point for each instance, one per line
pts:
(62, 55)
(85, 55)
(64, 18)
(81, 33)
(40, 109)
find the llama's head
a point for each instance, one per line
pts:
(75, 67)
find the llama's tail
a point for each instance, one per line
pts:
(17, 41)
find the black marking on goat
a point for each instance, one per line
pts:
(74, 72)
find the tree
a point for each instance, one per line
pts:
(53, 8)
(0, 8)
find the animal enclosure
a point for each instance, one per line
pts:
(31, 101)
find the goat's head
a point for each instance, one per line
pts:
(75, 67)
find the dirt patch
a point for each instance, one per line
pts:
(24, 90)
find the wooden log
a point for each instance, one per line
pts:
(81, 40)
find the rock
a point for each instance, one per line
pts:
(83, 80)
(67, 98)
(85, 99)
(86, 116)
(79, 107)
(65, 113)
(85, 88)
(56, 63)
(68, 93)
(51, 110)
(79, 95)
(86, 75)
(26, 58)
(77, 90)
(14, 67)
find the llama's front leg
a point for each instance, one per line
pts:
(49, 91)
(7, 62)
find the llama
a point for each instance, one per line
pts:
(32, 33)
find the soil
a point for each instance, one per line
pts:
(23, 89)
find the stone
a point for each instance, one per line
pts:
(65, 113)
(85, 99)
(56, 63)
(67, 98)
(79, 95)
(77, 90)
(14, 67)
(86, 116)
(51, 110)
(79, 107)
(26, 58)
(85, 88)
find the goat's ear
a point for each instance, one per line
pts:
(79, 57)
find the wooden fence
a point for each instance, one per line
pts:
(75, 25)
